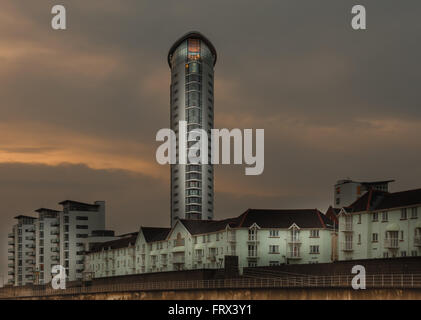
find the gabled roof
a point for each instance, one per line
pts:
(275, 218)
(381, 200)
(115, 244)
(264, 218)
(152, 234)
(206, 226)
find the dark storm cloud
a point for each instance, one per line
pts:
(333, 102)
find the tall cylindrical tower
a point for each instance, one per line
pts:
(192, 59)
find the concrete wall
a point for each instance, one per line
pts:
(252, 294)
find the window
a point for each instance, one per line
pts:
(274, 233)
(314, 233)
(273, 249)
(375, 217)
(359, 238)
(401, 238)
(252, 234)
(81, 218)
(403, 214)
(414, 213)
(375, 237)
(385, 216)
(403, 253)
(359, 218)
(314, 249)
(81, 227)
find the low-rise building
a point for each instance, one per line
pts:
(257, 238)
(381, 225)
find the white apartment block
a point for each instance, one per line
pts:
(22, 250)
(55, 238)
(381, 225)
(77, 221)
(257, 237)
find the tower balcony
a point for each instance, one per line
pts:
(11, 243)
(11, 235)
(10, 250)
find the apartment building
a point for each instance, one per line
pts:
(55, 238)
(77, 221)
(257, 238)
(22, 251)
(112, 258)
(47, 231)
(381, 225)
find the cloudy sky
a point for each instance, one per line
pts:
(79, 109)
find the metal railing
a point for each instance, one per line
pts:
(391, 243)
(377, 281)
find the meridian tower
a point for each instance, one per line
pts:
(192, 59)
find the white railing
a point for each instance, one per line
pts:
(347, 246)
(376, 281)
(346, 226)
(178, 259)
(391, 243)
(417, 241)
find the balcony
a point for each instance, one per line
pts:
(293, 255)
(392, 243)
(54, 232)
(294, 240)
(11, 250)
(11, 273)
(30, 254)
(11, 258)
(55, 258)
(252, 255)
(231, 237)
(212, 257)
(11, 265)
(346, 227)
(347, 246)
(11, 235)
(55, 240)
(79, 262)
(178, 259)
(417, 241)
(30, 246)
(55, 249)
(31, 238)
(11, 243)
(32, 229)
(179, 243)
(55, 224)
(30, 261)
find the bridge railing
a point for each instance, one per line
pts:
(402, 281)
